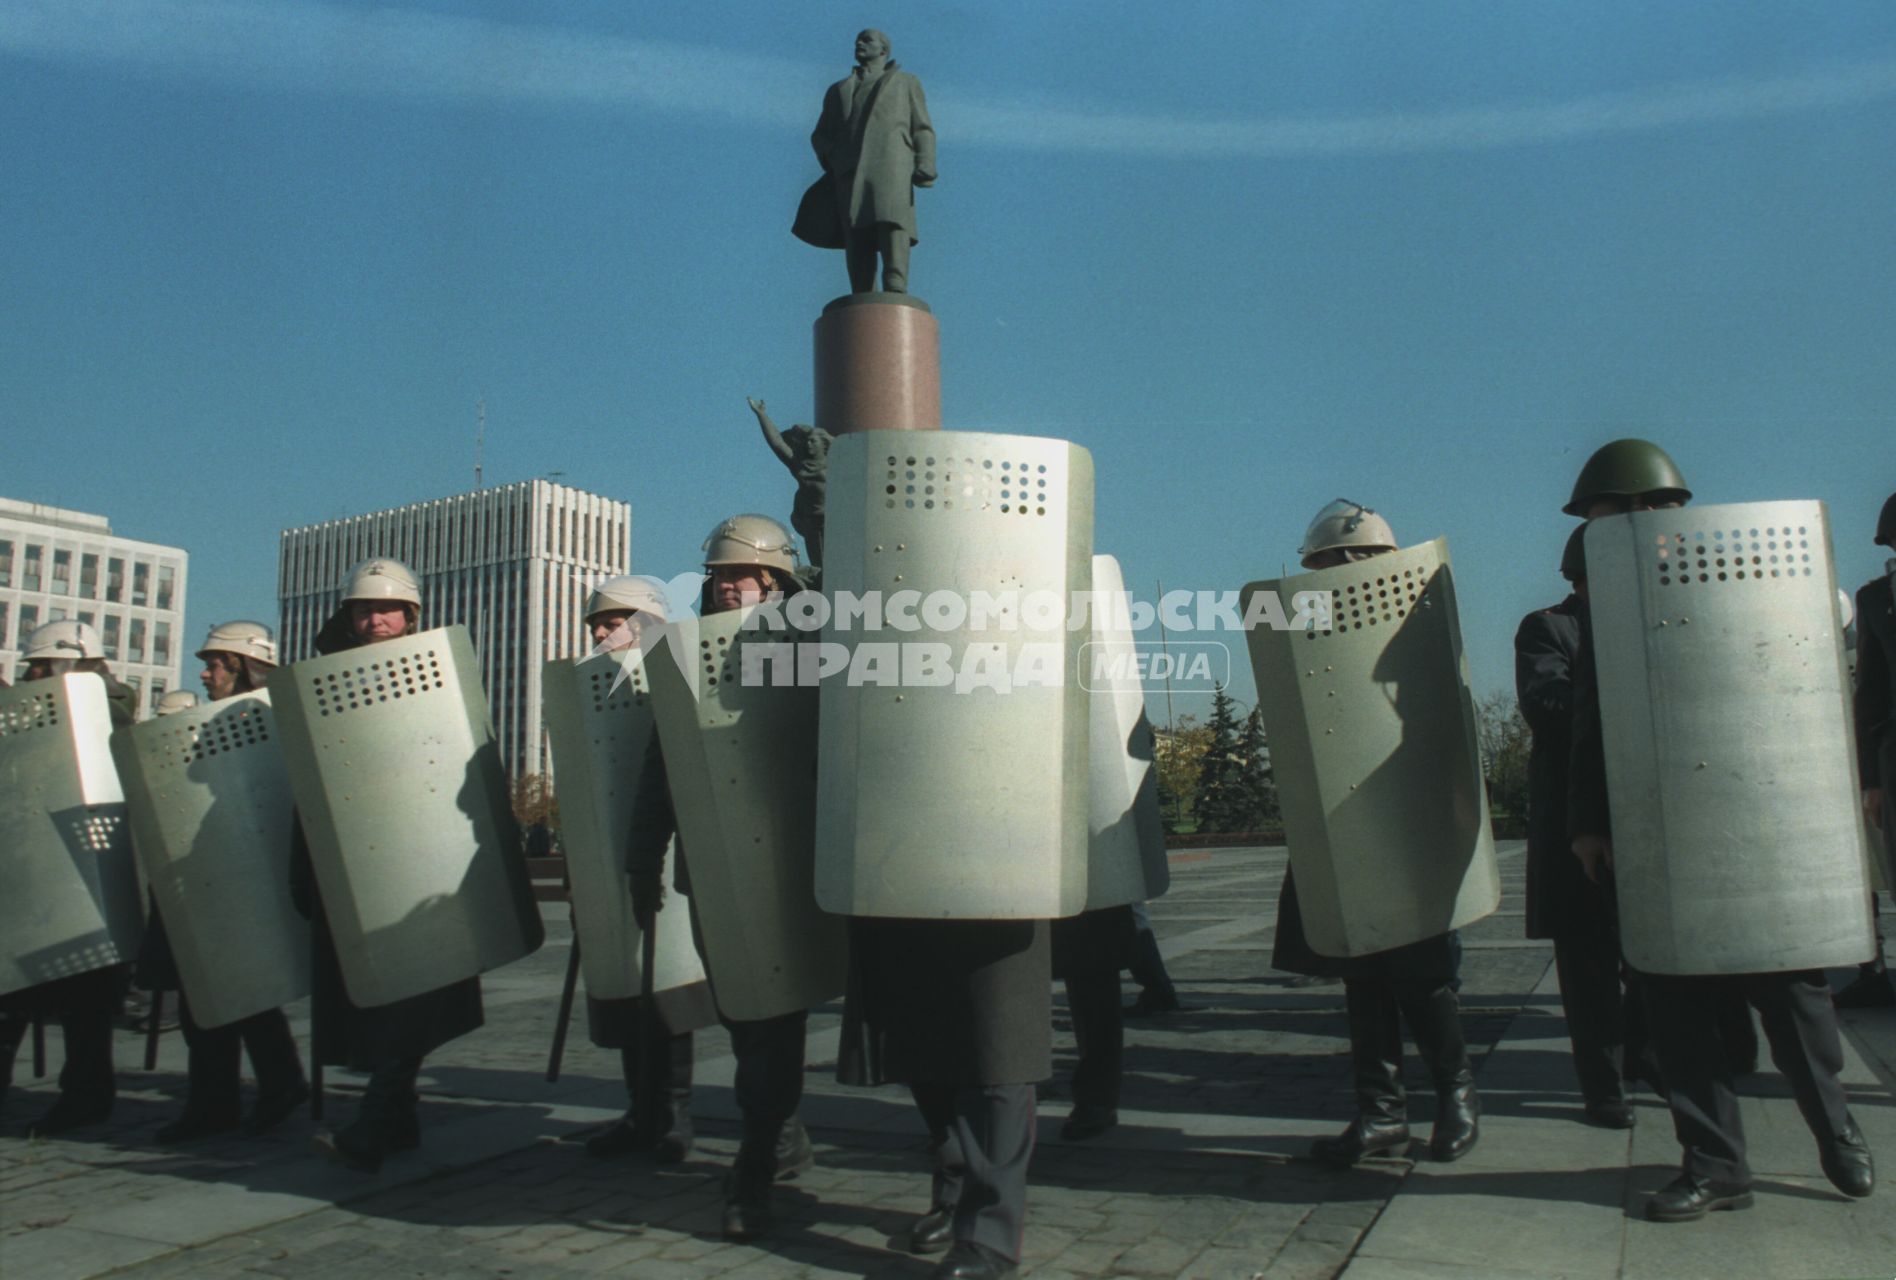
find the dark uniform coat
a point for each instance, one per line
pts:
(1876, 698)
(1560, 898)
(1431, 962)
(343, 1033)
(959, 1003)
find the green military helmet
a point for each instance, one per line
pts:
(1349, 525)
(242, 638)
(383, 579)
(63, 639)
(629, 592)
(1886, 524)
(1573, 557)
(751, 540)
(1624, 468)
(174, 702)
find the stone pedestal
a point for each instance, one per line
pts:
(878, 365)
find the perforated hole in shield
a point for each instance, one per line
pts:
(98, 831)
(1379, 601)
(38, 712)
(607, 690)
(715, 656)
(1006, 485)
(409, 675)
(1706, 557)
(95, 955)
(231, 731)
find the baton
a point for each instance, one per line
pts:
(645, 1105)
(152, 1031)
(315, 1040)
(565, 1015)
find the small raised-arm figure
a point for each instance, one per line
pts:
(805, 451)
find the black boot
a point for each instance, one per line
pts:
(1381, 1126)
(386, 1121)
(672, 1140)
(1156, 992)
(281, 1085)
(1435, 1019)
(747, 1187)
(795, 1155)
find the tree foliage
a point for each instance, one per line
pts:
(1221, 799)
(1505, 742)
(1178, 754)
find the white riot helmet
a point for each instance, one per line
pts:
(628, 592)
(382, 579)
(66, 638)
(1346, 524)
(245, 639)
(175, 701)
(752, 540)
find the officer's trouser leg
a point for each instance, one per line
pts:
(13, 1028)
(893, 242)
(1801, 1027)
(769, 1084)
(1683, 1013)
(1099, 1026)
(215, 1068)
(88, 1004)
(984, 1138)
(1589, 967)
(273, 1055)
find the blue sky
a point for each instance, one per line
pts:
(260, 261)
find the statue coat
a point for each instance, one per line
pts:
(872, 158)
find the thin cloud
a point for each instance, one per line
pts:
(397, 53)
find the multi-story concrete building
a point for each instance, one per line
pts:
(512, 564)
(68, 564)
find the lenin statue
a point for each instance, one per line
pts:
(876, 146)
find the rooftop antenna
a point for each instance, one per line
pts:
(480, 439)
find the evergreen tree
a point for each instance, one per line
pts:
(1220, 780)
(1258, 793)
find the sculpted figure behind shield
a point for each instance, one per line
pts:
(876, 145)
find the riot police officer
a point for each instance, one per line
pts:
(84, 1003)
(1683, 1011)
(1876, 736)
(237, 657)
(747, 559)
(616, 612)
(1603, 1011)
(381, 601)
(1414, 983)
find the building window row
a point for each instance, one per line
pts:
(31, 570)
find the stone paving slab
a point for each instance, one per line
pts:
(1204, 1178)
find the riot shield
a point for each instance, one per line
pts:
(1125, 832)
(953, 779)
(740, 752)
(69, 895)
(404, 803)
(211, 817)
(1730, 760)
(1372, 738)
(599, 720)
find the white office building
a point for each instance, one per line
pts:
(512, 564)
(68, 564)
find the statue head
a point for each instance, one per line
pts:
(870, 45)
